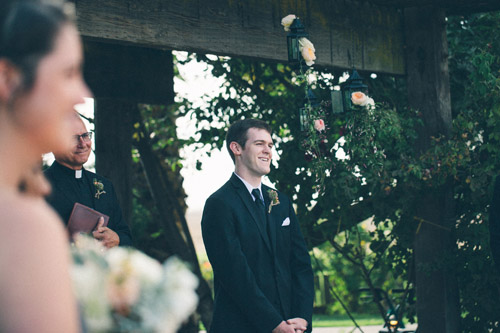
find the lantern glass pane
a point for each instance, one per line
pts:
(293, 49)
(303, 117)
(337, 105)
(347, 99)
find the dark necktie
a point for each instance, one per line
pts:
(260, 206)
(261, 212)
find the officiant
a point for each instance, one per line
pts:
(72, 183)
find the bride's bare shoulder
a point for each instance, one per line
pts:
(27, 217)
(35, 262)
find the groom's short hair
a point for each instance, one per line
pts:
(237, 132)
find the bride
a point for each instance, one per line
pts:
(40, 82)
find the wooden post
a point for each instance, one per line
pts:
(120, 77)
(113, 146)
(429, 92)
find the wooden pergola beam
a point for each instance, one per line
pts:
(450, 6)
(345, 33)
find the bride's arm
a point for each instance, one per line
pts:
(34, 270)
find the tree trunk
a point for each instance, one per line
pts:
(173, 220)
(429, 92)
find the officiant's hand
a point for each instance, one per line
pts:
(108, 237)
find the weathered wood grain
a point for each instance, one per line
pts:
(126, 72)
(450, 6)
(429, 92)
(344, 32)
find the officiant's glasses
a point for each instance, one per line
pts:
(86, 137)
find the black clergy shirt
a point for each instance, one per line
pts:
(68, 189)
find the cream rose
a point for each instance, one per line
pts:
(319, 125)
(370, 105)
(307, 50)
(359, 98)
(287, 21)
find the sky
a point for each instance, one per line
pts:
(216, 170)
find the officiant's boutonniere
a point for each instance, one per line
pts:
(273, 195)
(99, 188)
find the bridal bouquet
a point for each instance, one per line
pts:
(124, 290)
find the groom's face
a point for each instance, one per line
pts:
(257, 153)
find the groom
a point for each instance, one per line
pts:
(262, 270)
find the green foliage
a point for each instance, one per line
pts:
(157, 123)
(344, 278)
(474, 44)
(343, 321)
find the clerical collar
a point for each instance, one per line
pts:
(76, 174)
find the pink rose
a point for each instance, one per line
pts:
(319, 125)
(123, 292)
(358, 98)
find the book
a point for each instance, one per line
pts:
(84, 219)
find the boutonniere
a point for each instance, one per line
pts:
(273, 196)
(99, 188)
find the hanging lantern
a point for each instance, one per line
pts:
(337, 104)
(297, 31)
(310, 102)
(353, 84)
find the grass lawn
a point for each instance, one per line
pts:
(344, 320)
(340, 320)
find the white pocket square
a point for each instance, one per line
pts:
(286, 222)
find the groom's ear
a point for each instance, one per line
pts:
(235, 148)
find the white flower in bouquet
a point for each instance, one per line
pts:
(140, 294)
(180, 285)
(89, 279)
(132, 267)
(89, 276)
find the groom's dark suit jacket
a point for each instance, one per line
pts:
(260, 277)
(66, 190)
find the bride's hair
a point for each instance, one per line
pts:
(28, 29)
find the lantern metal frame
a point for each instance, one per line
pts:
(297, 31)
(353, 84)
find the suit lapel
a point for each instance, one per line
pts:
(249, 204)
